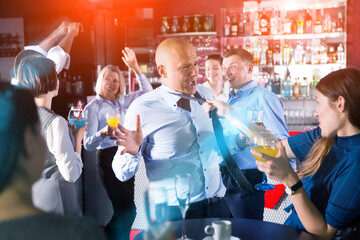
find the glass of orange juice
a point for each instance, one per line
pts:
(266, 143)
(113, 118)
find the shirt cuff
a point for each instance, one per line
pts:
(36, 48)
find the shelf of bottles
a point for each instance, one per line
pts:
(199, 30)
(293, 43)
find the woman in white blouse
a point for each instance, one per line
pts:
(110, 88)
(55, 191)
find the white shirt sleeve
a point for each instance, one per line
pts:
(58, 140)
(59, 57)
(36, 48)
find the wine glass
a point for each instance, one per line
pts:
(156, 208)
(267, 143)
(256, 117)
(183, 189)
(113, 118)
(77, 117)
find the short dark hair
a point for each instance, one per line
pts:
(216, 57)
(24, 54)
(37, 73)
(242, 53)
(19, 111)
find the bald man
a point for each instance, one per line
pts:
(177, 136)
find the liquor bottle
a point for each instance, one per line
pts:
(277, 55)
(304, 88)
(296, 88)
(275, 86)
(165, 27)
(308, 22)
(270, 56)
(287, 87)
(340, 23)
(313, 87)
(331, 55)
(316, 56)
(175, 27)
(234, 26)
(274, 23)
(227, 27)
(257, 51)
(317, 25)
(327, 23)
(308, 55)
(300, 24)
(287, 26)
(241, 25)
(247, 25)
(340, 54)
(323, 52)
(263, 49)
(256, 25)
(264, 24)
(299, 53)
(286, 53)
(196, 24)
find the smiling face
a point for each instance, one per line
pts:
(178, 67)
(236, 71)
(110, 85)
(327, 112)
(213, 70)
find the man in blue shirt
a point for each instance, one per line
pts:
(177, 137)
(247, 95)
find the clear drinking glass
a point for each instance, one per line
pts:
(113, 118)
(268, 144)
(77, 117)
(183, 190)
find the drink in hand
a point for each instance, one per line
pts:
(113, 121)
(271, 151)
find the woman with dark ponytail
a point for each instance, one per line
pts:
(326, 190)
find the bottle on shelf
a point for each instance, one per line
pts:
(274, 23)
(317, 25)
(275, 86)
(313, 87)
(286, 53)
(308, 22)
(327, 23)
(263, 49)
(165, 26)
(308, 54)
(175, 27)
(287, 87)
(269, 56)
(299, 53)
(241, 25)
(256, 25)
(287, 25)
(331, 55)
(227, 26)
(234, 26)
(300, 24)
(340, 23)
(304, 88)
(340, 54)
(264, 24)
(296, 88)
(277, 55)
(323, 52)
(247, 24)
(185, 27)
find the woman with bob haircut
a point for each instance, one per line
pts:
(55, 191)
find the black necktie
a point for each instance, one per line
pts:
(231, 165)
(184, 101)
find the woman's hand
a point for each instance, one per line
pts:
(107, 131)
(130, 60)
(278, 167)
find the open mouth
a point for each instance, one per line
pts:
(192, 83)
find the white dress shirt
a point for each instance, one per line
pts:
(175, 141)
(59, 143)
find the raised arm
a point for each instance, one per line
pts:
(55, 37)
(67, 41)
(130, 60)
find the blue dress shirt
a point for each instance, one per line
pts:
(254, 97)
(176, 141)
(97, 110)
(335, 187)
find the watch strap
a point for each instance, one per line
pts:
(296, 186)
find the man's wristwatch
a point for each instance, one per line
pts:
(294, 188)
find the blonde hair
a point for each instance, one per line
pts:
(345, 83)
(100, 78)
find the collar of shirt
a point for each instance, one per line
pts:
(245, 89)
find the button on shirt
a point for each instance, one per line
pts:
(175, 141)
(97, 110)
(254, 97)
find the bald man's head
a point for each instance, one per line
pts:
(168, 48)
